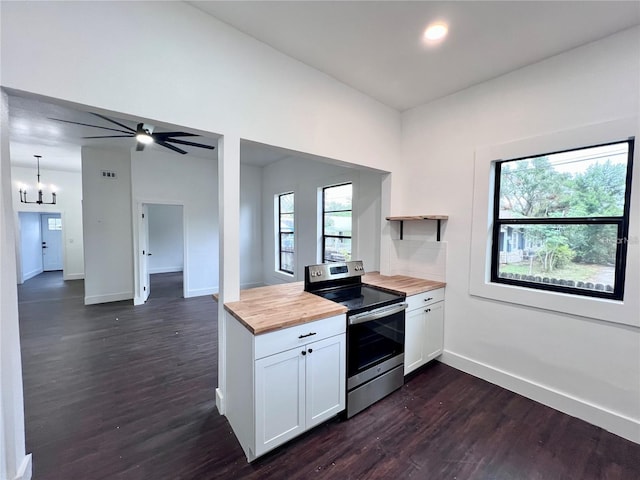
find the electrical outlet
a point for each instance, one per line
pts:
(108, 174)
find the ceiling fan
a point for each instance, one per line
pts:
(144, 135)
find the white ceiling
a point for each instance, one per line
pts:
(376, 47)
(33, 132)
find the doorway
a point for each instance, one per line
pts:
(40, 243)
(161, 248)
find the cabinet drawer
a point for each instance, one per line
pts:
(425, 298)
(285, 339)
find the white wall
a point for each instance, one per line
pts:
(14, 463)
(166, 238)
(218, 80)
(167, 178)
(68, 205)
(305, 178)
(30, 246)
(106, 216)
(586, 367)
(251, 222)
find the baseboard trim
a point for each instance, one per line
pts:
(26, 469)
(220, 401)
(153, 271)
(111, 297)
(31, 274)
(245, 286)
(611, 421)
(201, 291)
(73, 276)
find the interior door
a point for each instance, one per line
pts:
(145, 287)
(51, 228)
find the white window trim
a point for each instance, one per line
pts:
(276, 238)
(624, 312)
(321, 212)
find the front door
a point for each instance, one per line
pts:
(51, 228)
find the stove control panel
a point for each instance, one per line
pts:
(333, 271)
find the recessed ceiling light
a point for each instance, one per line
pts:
(436, 31)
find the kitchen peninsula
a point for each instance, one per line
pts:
(286, 355)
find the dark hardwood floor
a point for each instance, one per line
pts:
(120, 392)
(166, 285)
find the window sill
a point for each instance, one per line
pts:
(613, 311)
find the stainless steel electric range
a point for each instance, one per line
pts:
(375, 331)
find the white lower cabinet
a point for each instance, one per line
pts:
(291, 391)
(424, 329)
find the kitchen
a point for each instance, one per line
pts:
(346, 363)
(547, 355)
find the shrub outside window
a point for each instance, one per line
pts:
(336, 222)
(286, 233)
(561, 220)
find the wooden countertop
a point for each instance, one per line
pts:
(265, 309)
(401, 284)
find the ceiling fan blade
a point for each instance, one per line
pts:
(140, 147)
(164, 135)
(193, 144)
(170, 147)
(113, 121)
(112, 136)
(87, 125)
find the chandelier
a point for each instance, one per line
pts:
(23, 190)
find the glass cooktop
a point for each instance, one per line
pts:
(360, 298)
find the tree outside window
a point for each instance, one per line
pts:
(561, 220)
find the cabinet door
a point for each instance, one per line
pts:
(414, 339)
(325, 382)
(280, 398)
(434, 330)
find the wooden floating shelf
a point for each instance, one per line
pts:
(409, 218)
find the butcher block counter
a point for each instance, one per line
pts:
(265, 309)
(401, 284)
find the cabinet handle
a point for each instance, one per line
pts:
(310, 350)
(428, 299)
(307, 335)
(427, 310)
(303, 352)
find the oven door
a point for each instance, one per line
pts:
(374, 337)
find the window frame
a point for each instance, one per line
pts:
(621, 222)
(281, 233)
(324, 212)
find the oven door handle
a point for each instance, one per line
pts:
(377, 313)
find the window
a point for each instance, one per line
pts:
(336, 223)
(561, 220)
(286, 233)
(54, 223)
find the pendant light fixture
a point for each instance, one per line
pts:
(23, 190)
